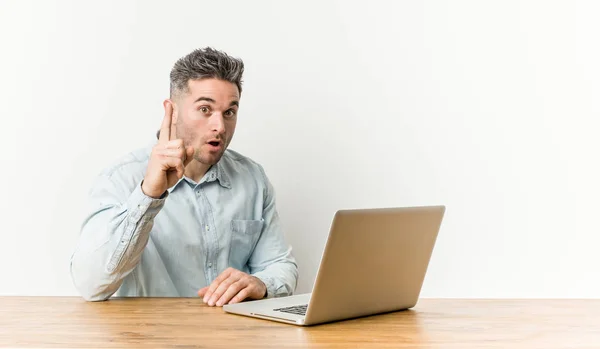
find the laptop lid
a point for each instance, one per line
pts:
(374, 261)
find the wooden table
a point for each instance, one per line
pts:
(70, 322)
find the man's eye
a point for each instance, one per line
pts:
(230, 112)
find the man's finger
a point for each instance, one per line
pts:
(165, 129)
(173, 129)
(202, 291)
(209, 291)
(213, 286)
(189, 156)
(173, 153)
(172, 164)
(233, 289)
(174, 144)
(223, 287)
(222, 277)
(169, 163)
(243, 294)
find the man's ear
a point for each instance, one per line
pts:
(175, 115)
(174, 108)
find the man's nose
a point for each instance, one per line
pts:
(217, 123)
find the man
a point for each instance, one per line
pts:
(186, 216)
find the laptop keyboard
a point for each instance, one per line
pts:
(297, 309)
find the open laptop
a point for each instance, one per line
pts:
(374, 261)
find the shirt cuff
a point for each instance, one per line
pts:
(139, 203)
(274, 289)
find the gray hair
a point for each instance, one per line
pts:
(205, 63)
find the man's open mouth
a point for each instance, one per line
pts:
(215, 143)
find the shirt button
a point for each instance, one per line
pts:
(210, 265)
(207, 228)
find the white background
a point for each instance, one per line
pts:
(488, 107)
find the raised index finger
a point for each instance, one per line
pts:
(165, 128)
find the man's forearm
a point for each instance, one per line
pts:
(279, 277)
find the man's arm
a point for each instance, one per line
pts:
(113, 237)
(272, 260)
(273, 269)
(117, 229)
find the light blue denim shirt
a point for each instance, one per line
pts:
(133, 245)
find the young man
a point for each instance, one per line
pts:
(186, 216)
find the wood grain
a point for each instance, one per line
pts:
(70, 322)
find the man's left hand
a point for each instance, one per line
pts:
(232, 286)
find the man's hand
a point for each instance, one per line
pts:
(232, 286)
(168, 159)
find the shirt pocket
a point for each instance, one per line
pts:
(244, 236)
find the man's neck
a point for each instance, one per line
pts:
(195, 170)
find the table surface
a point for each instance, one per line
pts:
(71, 322)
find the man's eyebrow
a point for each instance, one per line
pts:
(208, 99)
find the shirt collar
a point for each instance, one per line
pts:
(215, 173)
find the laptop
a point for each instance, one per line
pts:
(374, 262)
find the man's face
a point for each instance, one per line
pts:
(206, 116)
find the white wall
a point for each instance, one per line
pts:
(490, 108)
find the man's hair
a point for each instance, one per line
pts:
(202, 64)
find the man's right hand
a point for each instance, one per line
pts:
(168, 159)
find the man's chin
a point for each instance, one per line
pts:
(210, 158)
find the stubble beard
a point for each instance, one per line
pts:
(210, 158)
